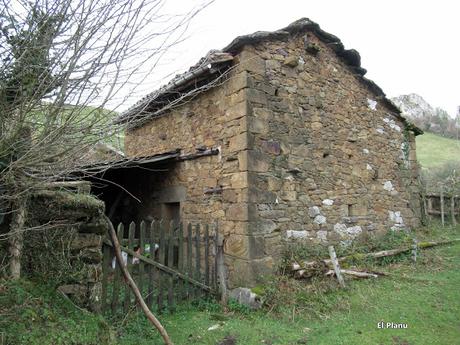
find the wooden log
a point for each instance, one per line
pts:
(335, 264)
(357, 274)
(153, 320)
(305, 265)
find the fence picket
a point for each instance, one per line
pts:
(189, 258)
(197, 274)
(216, 260)
(129, 266)
(151, 269)
(105, 275)
(117, 274)
(206, 255)
(180, 264)
(162, 259)
(141, 263)
(171, 264)
(180, 259)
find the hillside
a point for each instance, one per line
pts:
(434, 150)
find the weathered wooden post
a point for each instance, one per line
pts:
(220, 268)
(414, 250)
(335, 264)
(452, 210)
(430, 207)
(441, 195)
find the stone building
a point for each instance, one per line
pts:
(306, 147)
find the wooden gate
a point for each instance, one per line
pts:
(170, 262)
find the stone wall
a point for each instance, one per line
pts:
(65, 247)
(329, 160)
(216, 118)
(306, 152)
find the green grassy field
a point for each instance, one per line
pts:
(424, 295)
(434, 150)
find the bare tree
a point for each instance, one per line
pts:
(62, 62)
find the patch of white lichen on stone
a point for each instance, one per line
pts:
(372, 104)
(388, 186)
(397, 219)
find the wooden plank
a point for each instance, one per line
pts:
(216, 249)
(171, 264)
(335, 264)
(189, 257)
(206, 255)
(150, 268)
(197, 253)
(117, 274)
(166, 269)
(180, 260)
(106, 270)
(171, 304)
(170, 244)
(220, 268)
(162, 259)
(129, 265)
(140, 285)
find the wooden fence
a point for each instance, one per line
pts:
(170, 263)
(442, 205)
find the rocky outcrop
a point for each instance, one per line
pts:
(427, 117)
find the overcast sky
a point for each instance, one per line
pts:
(406, 46)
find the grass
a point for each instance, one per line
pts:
(434, 150)
(423, 295)
(35, 314)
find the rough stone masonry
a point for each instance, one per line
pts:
(310, 150)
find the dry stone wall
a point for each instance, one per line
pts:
(307, 152)
(330, 161)
(216, 118)
(65, 247)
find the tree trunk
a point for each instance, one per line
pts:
(16, 237)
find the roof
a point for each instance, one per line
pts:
(215, 62)
(123, 163)
(145, 161)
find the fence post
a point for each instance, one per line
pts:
(335, 263)
(452, 210)
(221, 269)
(414, 250)
(442, 206)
